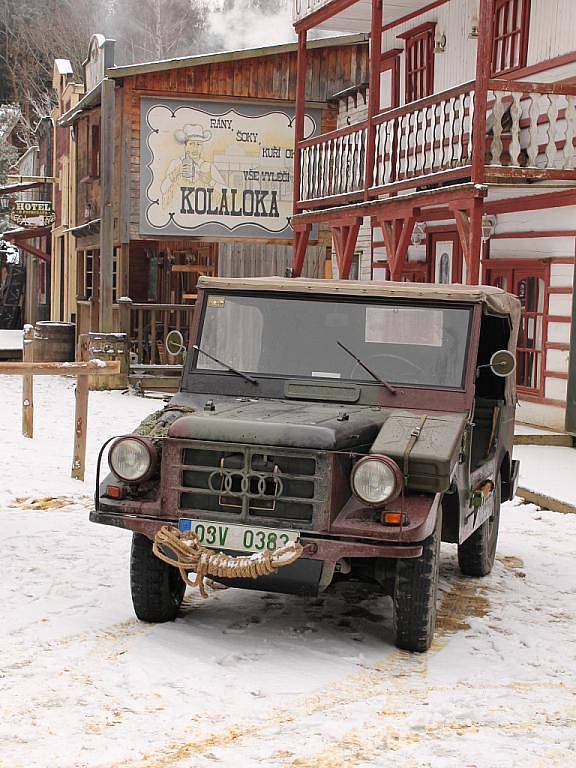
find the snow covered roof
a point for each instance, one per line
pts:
(224, 56)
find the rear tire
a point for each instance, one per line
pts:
(415, 595)
(157, 588)
(477, 554)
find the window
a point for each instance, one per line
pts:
(510, 32)
(95, 151)
(419, 62)
(399, 341)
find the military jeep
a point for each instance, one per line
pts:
(367, 421)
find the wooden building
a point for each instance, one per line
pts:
(63, 264)
(455, 161)
(201, 175)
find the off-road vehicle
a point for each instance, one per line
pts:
(368, 421)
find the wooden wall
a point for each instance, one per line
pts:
(266, 78)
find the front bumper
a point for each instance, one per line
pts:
(319, 546)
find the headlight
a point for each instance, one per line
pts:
(376, 480)
(132, 459)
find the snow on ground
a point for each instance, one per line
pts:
(10, 340)
(253, 679)
(550, 471)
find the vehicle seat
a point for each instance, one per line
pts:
(486, 415)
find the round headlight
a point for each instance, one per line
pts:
(132, 459)
(376, 480)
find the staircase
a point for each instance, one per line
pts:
(11, 297)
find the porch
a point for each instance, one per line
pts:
(526, 134)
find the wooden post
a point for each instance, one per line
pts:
(80, 427)
(125, 305)
(483, 70)
(300, 112)
(373, 93)
(106, 320)
(28, 385)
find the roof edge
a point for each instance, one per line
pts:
(226, 56)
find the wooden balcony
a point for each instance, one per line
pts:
(529, 135)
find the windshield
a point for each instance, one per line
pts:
(399, 341)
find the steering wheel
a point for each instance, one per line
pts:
(393, 357)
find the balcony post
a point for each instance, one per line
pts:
(302, 61)
(483, 71)
(373, 93)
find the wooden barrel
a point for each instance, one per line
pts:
(54, 342)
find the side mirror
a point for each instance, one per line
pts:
(175, 343)
(503, 363)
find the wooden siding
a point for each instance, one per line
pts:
(458, 63)
(552, 27)
(255, 260)
(271, 78)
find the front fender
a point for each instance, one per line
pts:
(420, 512)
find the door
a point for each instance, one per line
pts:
(390, 80)
(529, 281)
(445, 258)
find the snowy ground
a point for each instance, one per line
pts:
(249, 679)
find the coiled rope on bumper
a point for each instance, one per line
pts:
(183, 550)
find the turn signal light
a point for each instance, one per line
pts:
(392, 518)
(115, 492)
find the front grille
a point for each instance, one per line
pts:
(252, 483)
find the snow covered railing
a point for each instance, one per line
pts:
(530, 134)
(531, 129)
(83, 372)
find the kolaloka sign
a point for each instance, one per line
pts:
(303, 8)
(217, 170)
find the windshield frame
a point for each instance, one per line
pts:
(223, 382)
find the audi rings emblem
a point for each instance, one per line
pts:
(231, 483)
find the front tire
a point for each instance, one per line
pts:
(157, 588)
(476, 555)
(415, 595)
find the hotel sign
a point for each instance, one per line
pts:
(32, 213)
(303, 8)
(217, 170)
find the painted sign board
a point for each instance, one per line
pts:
(32, 213)
(213, 169)
(303, 8)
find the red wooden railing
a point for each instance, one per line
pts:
(530, 132)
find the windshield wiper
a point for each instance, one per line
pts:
(382, 381)
(226, 366)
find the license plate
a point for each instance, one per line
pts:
(243, 538)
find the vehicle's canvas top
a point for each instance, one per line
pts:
(495, 300)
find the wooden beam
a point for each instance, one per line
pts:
(375, 56)
(345, 237)
(395, 207)
(107, 162)
(80, 427)
(301, 238)
(483, 72)
(28, 385)
(92, 368)
(299, 116)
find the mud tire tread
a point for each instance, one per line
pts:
(415, 595)
(157, 589)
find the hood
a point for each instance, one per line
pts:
(317, 426)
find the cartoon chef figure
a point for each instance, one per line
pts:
(191, 169)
